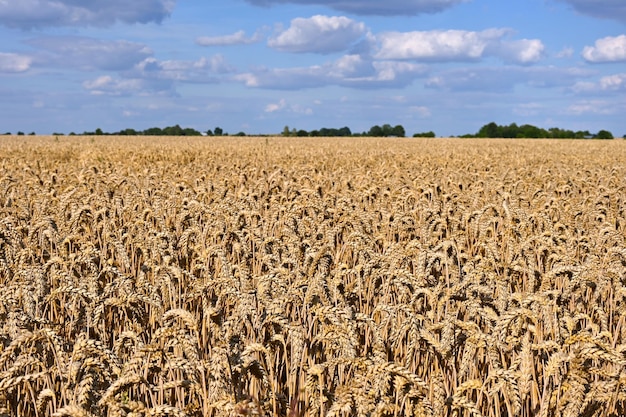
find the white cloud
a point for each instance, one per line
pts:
(609, 49)
(528, 109)
(457, 45)
(320, 34)
(41, 13)
(12, 63)
(293, 108)
(609, 9)
(348, 71)
(152, 76)
(613, 82)
(106, 85)
(606, 84)
(504, 79)
(599, 107)
(89, 54)
(237, 38)
(273, 107)
(524, 51)
(374, 7)
(203, 70)
(566, 52)
(436, 45)
(422, 111)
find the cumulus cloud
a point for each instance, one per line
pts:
(373, 7)
(600, 107)
(347, 71)
(436, 45)
(457, 45)
(203, 70)
(107, 85)
(609, 9)
(12, 63)
(237, 38)
(281, 105)
(607, 84)
(504, 79)
(274, 107)
(566, 52)
(422, 112)
(319, 34)
(153, 76)
(529, 109)
(89, 54)
(524, 51)
(609, 49)
(29, 14)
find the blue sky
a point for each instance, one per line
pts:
(449, 66)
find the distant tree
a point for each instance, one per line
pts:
(604, 134)
(128, 132)
(99, 132)
(530, 131)
(490, 130)
(153, 131)
(302, 133)
(509, 131)
(430, 134)
(375, 131)
(32, 134)
(344, 131)
(20, 133)
(314, 133)
(209, 132)
(240, 134)
(218, 131)
(191, 132)
(398, 131)
(387, 130)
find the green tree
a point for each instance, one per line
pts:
(604, 134)
(398, 131)
(99, 132)
(490, 130)
(509, 131)
(218, 131)
(153, 131)
(429, 134)
(209, 132)
(387, 129)
(344, 131)
(375, 131)
(286, 132)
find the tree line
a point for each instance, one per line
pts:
(385, 130)
(493, 130)
(490, 130)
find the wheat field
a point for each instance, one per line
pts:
(327, 277)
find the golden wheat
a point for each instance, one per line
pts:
(335, 277)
